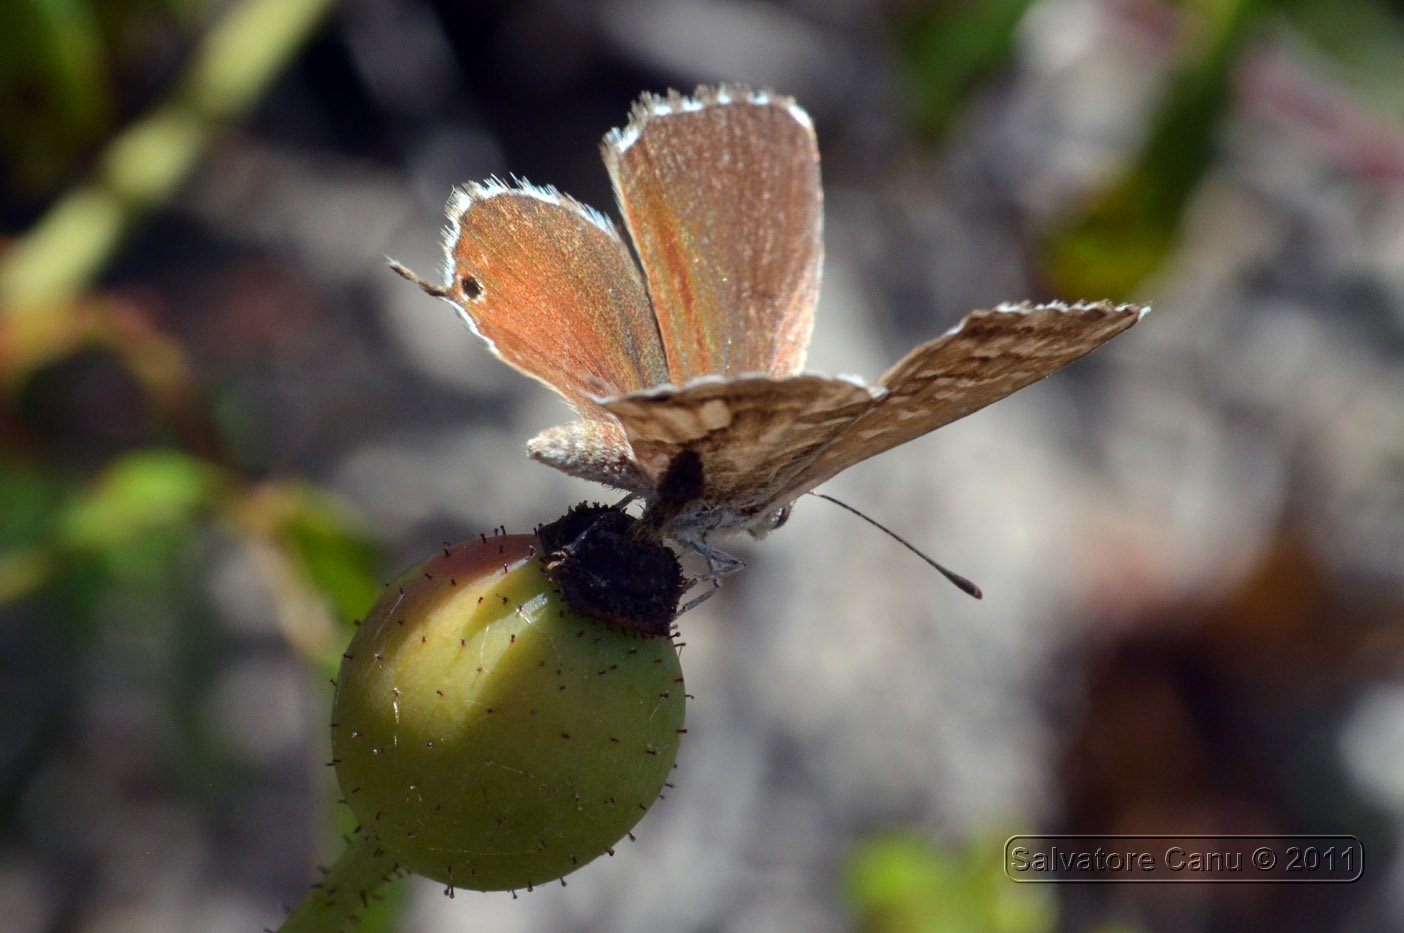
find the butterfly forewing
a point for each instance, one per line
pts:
(721, 196)
(552, 288)
(989, 355)
(749, 433)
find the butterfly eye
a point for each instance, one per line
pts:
(767, 522)
(472, 288)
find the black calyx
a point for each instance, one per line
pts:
(608, 571)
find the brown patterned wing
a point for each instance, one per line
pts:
(750, 434)
(987, 356)
(721, 195)
(551, 288)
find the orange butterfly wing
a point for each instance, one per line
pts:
(722, 198)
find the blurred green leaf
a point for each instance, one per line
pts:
(951, 45)
(1365, 40)
(336, 552)
(901, 883)
(55, 94)
(136, 495)
(1127, 231)
(28, 498)
(239, 56)
(131, 521)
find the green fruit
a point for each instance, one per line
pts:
(492, 739)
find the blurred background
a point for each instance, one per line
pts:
(225, 423)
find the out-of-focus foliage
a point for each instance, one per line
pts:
(338, 557)
(67, 70)
(900, 883)
(950, 46)
(138, 494)
(154, 523)
(117, 487)
(1363, 42)
(55, 94)
(142, 166)
(1128, 229)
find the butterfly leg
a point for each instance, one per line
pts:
(719, 563)
(700, 599)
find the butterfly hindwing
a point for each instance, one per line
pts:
(721, 195)
(594, 449)
(750, 434)
(989, 355)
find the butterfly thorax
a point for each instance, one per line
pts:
(681, 508)
(701, 520)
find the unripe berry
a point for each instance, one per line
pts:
(489, 737)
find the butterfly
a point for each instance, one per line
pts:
(687, 377)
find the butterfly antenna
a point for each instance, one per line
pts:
(438, 291)
(961, 582)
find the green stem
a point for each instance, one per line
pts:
(145, 164)
(337, 902)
